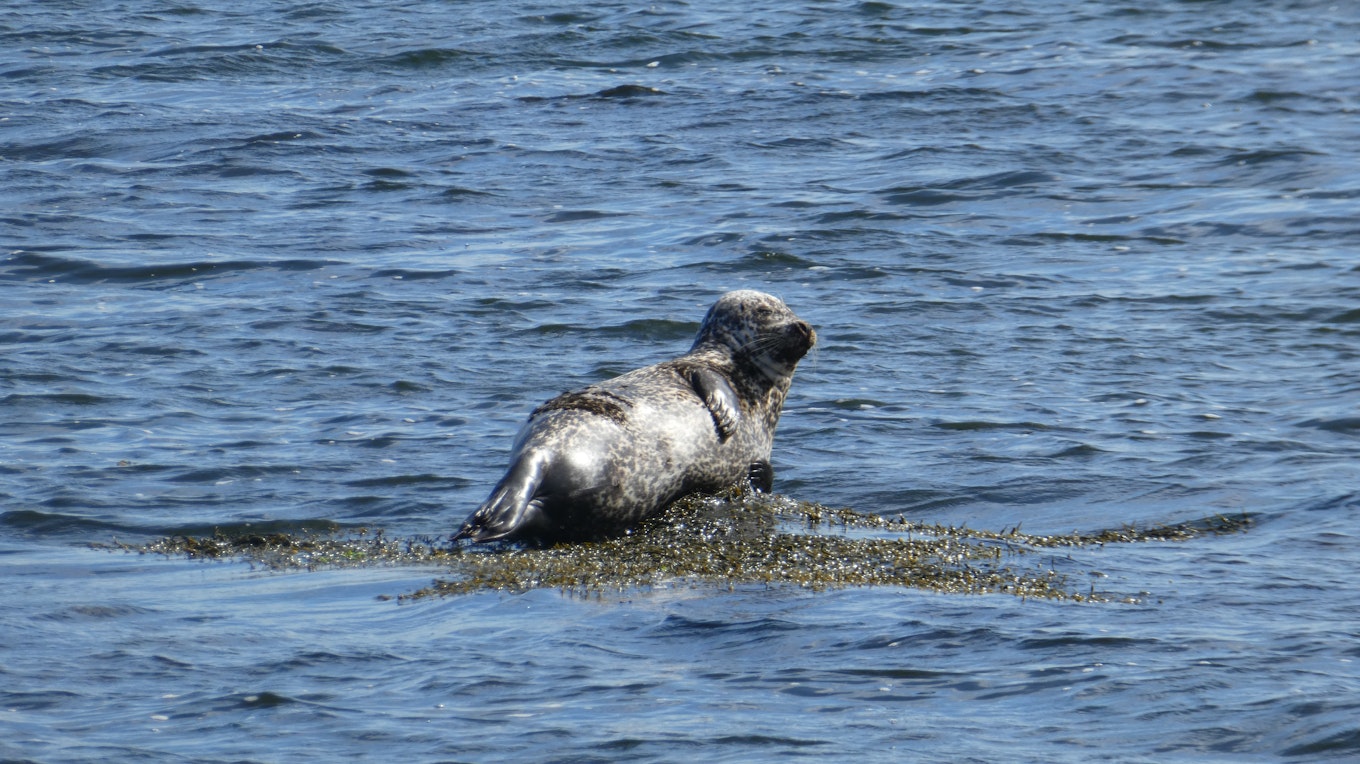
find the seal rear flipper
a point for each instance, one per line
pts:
(512, 510)
(761, 475)
(720, 399)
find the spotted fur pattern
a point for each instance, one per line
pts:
(596, 460)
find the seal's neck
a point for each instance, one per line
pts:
(759, 371)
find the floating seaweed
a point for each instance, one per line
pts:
(733, 540)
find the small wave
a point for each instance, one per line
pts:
(35, 266)
(1078, 451)
(97, 612)
(753, 740)
(979, 425)
(1263, 156)
(988, 186)
(1078, 639)
(572, 216)
(185, 63)
(857, 404)
(395, 481)
(1347, 424)
(930, 94)
(841, 216)
(1346, 742)
(761, 259)
(20, 400)
(618, 92)
(427, 58)
(284, 137)
(38, 700)
(38, 523)
(243, 472)
(814, 144)
(683, 627)
(176, 51)
(650, 329)
(460, 192)
(266, 700)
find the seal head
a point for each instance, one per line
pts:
(594, 461)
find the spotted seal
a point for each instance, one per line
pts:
(596, 460)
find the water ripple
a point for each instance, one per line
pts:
(311, 266)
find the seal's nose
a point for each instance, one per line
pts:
(798, 339)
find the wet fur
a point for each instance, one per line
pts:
(594, 461)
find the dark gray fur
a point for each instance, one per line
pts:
(597, 460)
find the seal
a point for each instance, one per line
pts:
(595, 461)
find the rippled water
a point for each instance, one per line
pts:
(306, 266)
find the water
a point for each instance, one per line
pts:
(300, 266)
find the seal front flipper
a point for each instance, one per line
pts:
(761, 475)
(512, 509)
(719, 397)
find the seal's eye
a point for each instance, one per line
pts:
(764, 313)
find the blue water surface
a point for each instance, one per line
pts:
(308, 266)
